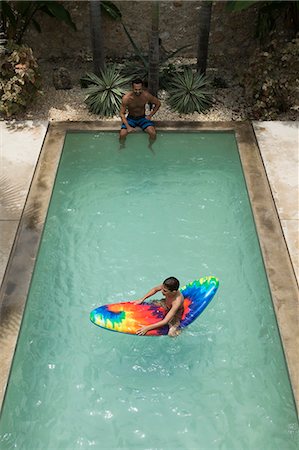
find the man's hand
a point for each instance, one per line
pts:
(148, 117)
(130, 129)
(142, 331)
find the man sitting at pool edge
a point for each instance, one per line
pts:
(135, 101)
(173, 304)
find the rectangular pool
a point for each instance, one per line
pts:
(119, 222)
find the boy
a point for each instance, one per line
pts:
(172, 303)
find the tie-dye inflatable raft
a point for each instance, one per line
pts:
(127, 317)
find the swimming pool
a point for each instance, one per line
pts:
(117, 221)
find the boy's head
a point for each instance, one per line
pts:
(171, 284)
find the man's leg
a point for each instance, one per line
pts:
(122, 137)
(151, 131)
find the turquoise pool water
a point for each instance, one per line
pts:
(118, 224)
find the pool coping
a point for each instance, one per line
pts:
(279, 269)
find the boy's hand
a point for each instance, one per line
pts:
(138, 302)
(142, 331)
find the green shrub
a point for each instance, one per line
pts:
(18, 15)
(167, 73)
(19, 79)
(271, 79)
(104, 93)
(189, 92)
(133, 70)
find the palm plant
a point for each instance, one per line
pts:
(153, 68)
(95, 18)
(96, 8)
(268, 12)
(204, 25)
(3, 36)
(147, 67)
(105, 92)
(18, 15)
(189, 92)
(134, 70)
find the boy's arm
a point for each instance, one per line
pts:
(148, 294)
(161, 323)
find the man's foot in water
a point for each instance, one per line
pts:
(122, 145)
(150, 146)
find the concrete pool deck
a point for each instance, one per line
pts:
(21, 143)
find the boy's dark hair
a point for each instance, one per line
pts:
(137, 81)
(172, 283)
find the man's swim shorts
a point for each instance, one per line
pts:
(140, 121)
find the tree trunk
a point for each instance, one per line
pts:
(96, 36)
(3, 37)
(153, 71)
(205, 13)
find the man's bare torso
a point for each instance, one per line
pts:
(136, 104)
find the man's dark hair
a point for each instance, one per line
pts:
(171, 283)
(137, 81)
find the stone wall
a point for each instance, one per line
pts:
(231, 39)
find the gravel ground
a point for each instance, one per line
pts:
(64, 105)
(69, 105)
